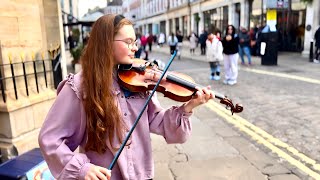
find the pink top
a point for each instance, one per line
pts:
(64, 130)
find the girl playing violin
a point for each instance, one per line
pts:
(93, 113)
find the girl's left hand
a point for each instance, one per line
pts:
(203, 95)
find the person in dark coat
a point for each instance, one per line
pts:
(71, 41)
(150, 41)
(202, 40)
(317, 39)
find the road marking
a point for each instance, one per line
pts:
(305, 79)
(267, 140)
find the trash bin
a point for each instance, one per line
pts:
(29, 165)
(270, 56)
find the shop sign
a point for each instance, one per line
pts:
(276, 4)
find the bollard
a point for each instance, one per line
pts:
(311, 51)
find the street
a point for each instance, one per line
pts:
(280, 117)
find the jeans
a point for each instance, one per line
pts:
(245, 50)
(215, 68)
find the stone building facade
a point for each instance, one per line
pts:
(113, 7)
(155, 16)
(29, 29)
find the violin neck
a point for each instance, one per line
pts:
(190, 85)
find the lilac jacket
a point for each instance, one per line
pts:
(64, 130)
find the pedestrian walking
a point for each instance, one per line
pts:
(244, 45)
(137, 54)
(150, 41)
(172, 42)
(144, 42)
(253, 40)
(214, 55)
(317, 38)
(218, 34)
(71, 41)
(161, 39)
(193, 42)
(93, 112)
(179, 46)
(202, 41)
(230, 49)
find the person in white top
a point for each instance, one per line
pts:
(214, 55)
(172, 42)
(193, 42)
(161, 39)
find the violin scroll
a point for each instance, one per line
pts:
(229, 105)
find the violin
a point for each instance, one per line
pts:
(141, 76)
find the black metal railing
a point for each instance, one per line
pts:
(14, 76)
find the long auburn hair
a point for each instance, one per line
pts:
(102, 113)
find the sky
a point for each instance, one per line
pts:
(84, 5)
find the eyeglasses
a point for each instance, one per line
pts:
(129, 42)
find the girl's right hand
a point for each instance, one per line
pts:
(98, 173)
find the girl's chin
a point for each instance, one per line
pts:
(127, 61)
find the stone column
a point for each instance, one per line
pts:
(316, 18)
(231, 13)
(192, 23)
(181, 24)
(312, 23)
(30, 29)
(201, 22)
(167, 29)
(244, 17)
(189, 25)
(173, 28)
(63, 53)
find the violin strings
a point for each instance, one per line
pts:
(192, 83)
(181, 79)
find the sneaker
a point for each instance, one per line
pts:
(316, 61)
(225, 81)
(232, 82)
(211, 77)
(216, 78)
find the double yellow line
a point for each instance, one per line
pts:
(267, 140)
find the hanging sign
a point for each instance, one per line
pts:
(276, 4)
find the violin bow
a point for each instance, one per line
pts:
(116, 157)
